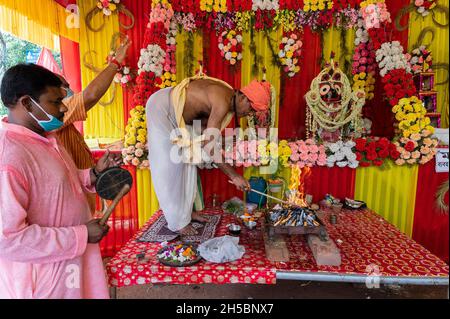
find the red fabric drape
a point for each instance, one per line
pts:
(292, 114)
(65, 3)
(215, 64)
(70, 57)
(124, 221)
(214, 181)
(431, 227)
(339, 182)
(141, 11)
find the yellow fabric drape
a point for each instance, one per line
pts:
(180, 53)
(272, 73)
(146, 196)
(262, 49)
(390, 192)
(332, 43)
(103, 121)
(40, 22)
(439, 49)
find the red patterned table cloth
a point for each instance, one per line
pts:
(367, 243)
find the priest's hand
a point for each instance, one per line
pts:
(241, 183)
(96, 232)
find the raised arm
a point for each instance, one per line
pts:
(100, 85)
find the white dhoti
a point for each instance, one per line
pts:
(175, 182)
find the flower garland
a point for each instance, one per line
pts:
(420, 148)
(213, 5)
(411, 115)
(292, 5)
(420, 60)
(284, 153)
(374, 151)
(265, 5)
(391, 57)
(230, 46)
(365, 82)
(307, 154)
(341, 154)
(157, 58)
(286, 19)
(364, 59)
(317, 5)
(375, 13)
(395, 69)
(347, 18)
(397, 85)
(123, 77)
(424, 7)
(186, 21)
(264, 19)
(289, 54)
(152, 60)
(136, 151)
(242, 20)
(245, 153)
(108, 6)
(169, 78)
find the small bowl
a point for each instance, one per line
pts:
(250, 225)
(234, 229)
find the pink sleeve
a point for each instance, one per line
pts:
(85, 179)
(22, 242)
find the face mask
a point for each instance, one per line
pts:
(69, 92)
(50, 125)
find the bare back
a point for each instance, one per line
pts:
(207, 101)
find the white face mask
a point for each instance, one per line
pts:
(50, 125)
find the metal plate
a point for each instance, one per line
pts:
(180, 264)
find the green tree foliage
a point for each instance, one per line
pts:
(14, 51)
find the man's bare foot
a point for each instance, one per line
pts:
(188, 231)
(196, 216)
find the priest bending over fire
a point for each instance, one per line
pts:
(199, 99)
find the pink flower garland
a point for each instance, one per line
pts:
(307, 154)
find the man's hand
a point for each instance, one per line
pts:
(241, 183)
(121, 52)
(107, 161)
(96, 232)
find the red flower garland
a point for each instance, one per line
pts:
(241, 5)
(291, 4)
(264, 19)
(374, 151)
(398, 84)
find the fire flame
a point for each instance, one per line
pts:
(297, 185)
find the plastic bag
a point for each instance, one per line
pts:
(221, 249)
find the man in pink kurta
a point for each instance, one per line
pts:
(44, 213)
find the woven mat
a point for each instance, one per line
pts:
(158, 231)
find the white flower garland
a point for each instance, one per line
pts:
(341, 154)
(265, 5)
(390, 57)
(152, 60)
(361, 36)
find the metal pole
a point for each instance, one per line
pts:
(362, 279)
